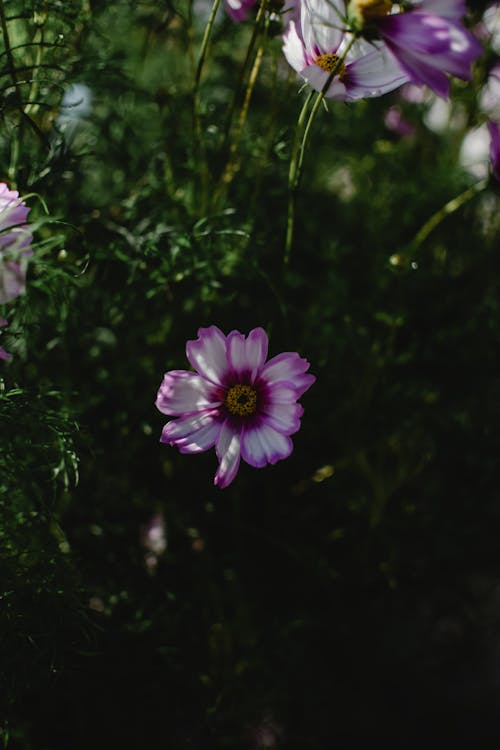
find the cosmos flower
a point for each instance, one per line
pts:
(316, 47)
(236, 401)
(15, 241)
(427, 40)
(494, 129)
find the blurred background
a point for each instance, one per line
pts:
(350, 593)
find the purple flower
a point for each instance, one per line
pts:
(236, 401)
(238, 9)
(394, 120)
(494, 128)
(429, 41)
(15, 241)
(317, 49)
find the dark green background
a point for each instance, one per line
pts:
(335, 606)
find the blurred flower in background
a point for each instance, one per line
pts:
(394, 121)
(76, 106)
(15, 240)
(267, 734)
(494, 131)
(239, 9)
(154, 540)
(474, 152)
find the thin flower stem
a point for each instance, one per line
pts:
(35, 83)
(446, 210)
(199, 143)
(292, 174)
(299, 147)
(8, 52)
(232, 164)
(314, 111)
(14, 152)
(248, 56)
(204, 44)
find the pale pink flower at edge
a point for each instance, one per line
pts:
(15, 241)
(236, 401)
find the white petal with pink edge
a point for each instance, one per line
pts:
(285, 366)
(228, 453)
(201, 440)
(208, 355)
(180, 429)
(184, 392)
(247, 356)
(284, 418)
(261, 445)
(293, 48)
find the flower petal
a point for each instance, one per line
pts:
(195, 433)
(293, 48)
(455, 9)
(12, 280)
(321, 22)
(284, 418)
(428, 46)
(184, 392)
(247, 356)
(207, 354)
(228, 453)
(261, 444)
(287, 368)
(373, 74)
(317, 78)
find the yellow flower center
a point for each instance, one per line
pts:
(331, 63)
(362, 11)
(242, 400)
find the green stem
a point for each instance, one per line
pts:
(8, 52)
(14, 152)
(292, 173)
(299, 148)
(35, 84)
(248, 56)
(200, 156)
(232, 163)
(204, 45)
(446, 210)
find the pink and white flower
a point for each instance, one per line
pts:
(320, 47)
(15, 241)
(236, 401)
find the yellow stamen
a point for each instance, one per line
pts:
(331, 62)
(241, 400)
